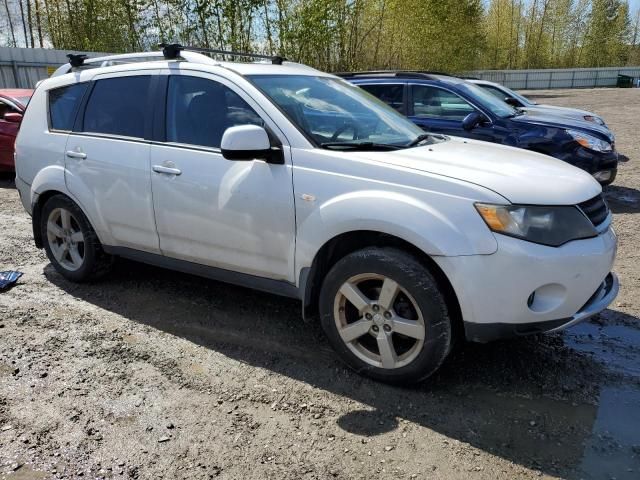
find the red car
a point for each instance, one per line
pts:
(13, 102)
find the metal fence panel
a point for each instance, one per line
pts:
(557, 78)
(24, 67)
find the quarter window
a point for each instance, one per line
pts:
(117, 106)
(63, 105)
(432, 102)
(200, 110)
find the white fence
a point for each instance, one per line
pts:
(23, 67)
(557, 78)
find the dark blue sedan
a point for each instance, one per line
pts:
(452, 106)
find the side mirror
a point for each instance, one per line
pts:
(13, 117)
(513, 102)
(249, 142)
(472, 120)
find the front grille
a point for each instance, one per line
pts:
(596, 209)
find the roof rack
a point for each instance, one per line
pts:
(394, 73)
(169, 52)
(172, 51)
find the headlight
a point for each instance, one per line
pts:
(552, 226)
(589, 141)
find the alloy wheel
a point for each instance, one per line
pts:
(379, 321)
(65, 239)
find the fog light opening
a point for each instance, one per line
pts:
(531, 298)
(547, 298)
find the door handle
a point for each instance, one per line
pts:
(166, 170)
(76, 154)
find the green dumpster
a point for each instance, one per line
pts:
(624, 81)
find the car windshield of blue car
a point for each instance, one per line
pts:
(496, 106)
(332, 113)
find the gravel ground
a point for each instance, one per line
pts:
(154, 374)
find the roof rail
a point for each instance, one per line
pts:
(169, 52)
(172, 51)
(393, 73)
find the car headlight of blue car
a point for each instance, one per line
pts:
(591, 142)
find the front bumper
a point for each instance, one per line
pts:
(602, 165)
(487, 332)
(527, 288)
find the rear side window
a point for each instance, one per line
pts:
(389, 94)
(200, 110)
(117, 106)
(63, 105)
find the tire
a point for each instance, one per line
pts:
(395, 301)
(71, 243)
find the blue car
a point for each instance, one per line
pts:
(453, 106)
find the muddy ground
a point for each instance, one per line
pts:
(154, 374)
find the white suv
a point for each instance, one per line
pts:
(285, 179)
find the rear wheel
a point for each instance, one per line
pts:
(70, 242)
(384, 314)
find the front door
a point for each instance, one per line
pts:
(8, 132)
(438, 110)
(234, 215)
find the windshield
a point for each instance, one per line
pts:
(502, 92)
(332, 112)
(496, 106)
(523, 100)
(23, 100)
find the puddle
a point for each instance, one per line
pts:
(615, 346)
(613, 450)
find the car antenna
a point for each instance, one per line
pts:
(171, 51)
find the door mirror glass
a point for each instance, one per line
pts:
(513, 102)
(13, 117)
(249, 142)
(472, 120)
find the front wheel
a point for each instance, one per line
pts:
(385, 315)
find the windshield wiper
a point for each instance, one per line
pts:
(425, 136)
(371, 146)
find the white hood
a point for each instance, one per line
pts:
(518, 175)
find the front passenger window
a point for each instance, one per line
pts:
(200, 110)
(433, 102)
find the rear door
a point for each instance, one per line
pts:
(393, 94)
(107, 159)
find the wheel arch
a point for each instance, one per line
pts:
(345, 243)
(36, 214)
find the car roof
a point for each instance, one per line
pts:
(413, 75)
(16, 92)
(187, 59)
